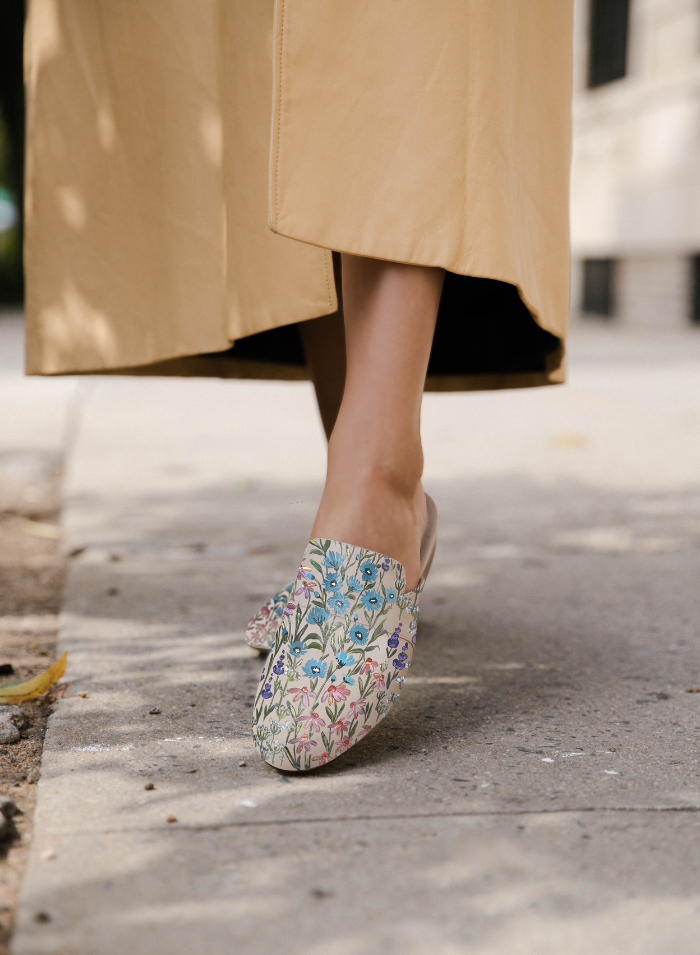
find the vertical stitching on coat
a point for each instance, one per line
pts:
(328, 283)
(279, 124)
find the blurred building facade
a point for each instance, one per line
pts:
(636, 165)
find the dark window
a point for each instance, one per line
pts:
(695, 290)
(599, 286)
(607, 50)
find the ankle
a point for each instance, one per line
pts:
(386, 471)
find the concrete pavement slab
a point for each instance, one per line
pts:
(557, 646)
(576, 882)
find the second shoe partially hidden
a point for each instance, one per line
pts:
(340, 659)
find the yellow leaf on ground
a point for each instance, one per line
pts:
(41, 529)
(37, 686)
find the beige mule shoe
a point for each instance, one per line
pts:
(340, 655)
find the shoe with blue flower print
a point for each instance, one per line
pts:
(340, 660)
(260, 632)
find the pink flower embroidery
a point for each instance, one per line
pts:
(364, 731)
(303, 742)
(339, 727)
(307, 583)
(314, 722)
(378, 682)
(358, 706)
(290, 608)
(344, 745)
(303, 694)
(322, 759)
(369, 666)
(336, 694)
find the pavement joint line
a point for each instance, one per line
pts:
(316, 820)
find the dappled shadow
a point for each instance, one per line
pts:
(548, 681)
(526, 616)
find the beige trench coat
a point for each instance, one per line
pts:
(191, 163)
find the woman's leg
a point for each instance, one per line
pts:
(373, 495)
(324, 344)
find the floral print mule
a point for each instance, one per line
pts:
(260, 632)
(341, 653)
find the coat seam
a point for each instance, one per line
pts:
(279, 120)
(328, 281)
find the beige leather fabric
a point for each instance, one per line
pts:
(164, 222)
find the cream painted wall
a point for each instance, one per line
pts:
(636, 157)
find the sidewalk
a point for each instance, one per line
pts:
(537, 791)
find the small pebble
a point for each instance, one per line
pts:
(84, 695)
(149, 786)
(48, 855)
(9, 732)
(171, 819)
(13, 714)
(42, 917)
(154, 711)
(242, 763)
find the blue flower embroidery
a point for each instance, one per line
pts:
(339, 604)
(314, 669)
(332, 583)
(400, 661)
(278, 668)
(297, 648)
(317, 616)
(390, 595)
(348, 679)
(353, 583)
(372, 600)
(334, 559)
(345, 659)
(359, 635)
(368, 571)
(267, 691)
(393, 640)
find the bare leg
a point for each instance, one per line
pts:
(373, 495)
(324, 344)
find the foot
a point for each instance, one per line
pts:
(377, 515)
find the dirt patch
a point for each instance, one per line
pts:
(31, 578)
